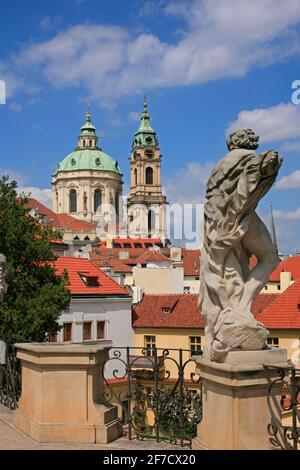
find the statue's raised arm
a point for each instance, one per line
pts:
(233, 232)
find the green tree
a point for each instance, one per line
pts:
(36, 296)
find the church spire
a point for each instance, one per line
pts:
(145, 136)
(272, 230)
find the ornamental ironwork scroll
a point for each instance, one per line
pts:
(284, 427)
(10, 375)
(158, 397)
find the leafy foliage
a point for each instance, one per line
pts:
(174, 411)
(36, 296)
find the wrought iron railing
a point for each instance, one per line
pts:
(10, 374)
(156, 402)
(284, 428)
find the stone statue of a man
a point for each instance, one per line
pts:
(233, 232)
(3, 285)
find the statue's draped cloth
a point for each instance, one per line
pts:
(236, 185)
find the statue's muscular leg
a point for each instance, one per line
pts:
(257, 241)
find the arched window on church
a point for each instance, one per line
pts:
(73, 200)
(90, 143)
(135, 177)
(149, 175)
(83, 143)
(97, 199)
(151, 223)
(117, 203)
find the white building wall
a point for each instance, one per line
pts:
(192, 283)
(116, 313)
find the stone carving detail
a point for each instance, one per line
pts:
(3, 285)
(232, 233)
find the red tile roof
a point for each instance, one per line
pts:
(291, 264)
(151, 256)
(116, 264)
(284, 312)
(191, 262)
(184, 314)
(262, 301)
(149, 313)
(80, 266)
(60, 221)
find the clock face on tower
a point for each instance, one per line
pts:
(149, 153)
(149, 140)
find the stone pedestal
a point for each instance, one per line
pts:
(234, 400)
(61, 390)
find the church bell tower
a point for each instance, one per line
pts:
(146, 203)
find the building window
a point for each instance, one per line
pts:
(186, 290)
(52, 337)
(135, 177)
(89, 281)
(273, 342)
(100, 329)
(87, 331)
(67, 332)
(97, 200)
(151, 224)
(149, 175)
(195, 345)
(150, 344)
(73, 200)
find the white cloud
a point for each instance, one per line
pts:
(134, 116)
(191, 180)
(185, 190)
(14, 175)
(288, 215)
(290, 146)
(271, 124)
(109, 62)
(290, 181)
(48, 22)
(42, 195)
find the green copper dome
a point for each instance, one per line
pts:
(88, 159)
(88, 156)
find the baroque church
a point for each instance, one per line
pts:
(87, 185)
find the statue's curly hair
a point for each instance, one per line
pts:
(243, 139)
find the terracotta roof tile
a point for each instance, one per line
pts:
(284, 312)
(151, 256)
(184, 312)
(76, 267)
(291, 264)
(60, 221)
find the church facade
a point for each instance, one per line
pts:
(87, 185)
(88, 180)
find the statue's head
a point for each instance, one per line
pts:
(243, 139)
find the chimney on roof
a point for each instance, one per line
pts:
(175, 254)
(285, 280)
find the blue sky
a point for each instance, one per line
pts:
(206, 68)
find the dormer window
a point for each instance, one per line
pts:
(166, 310)
(89, 280)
